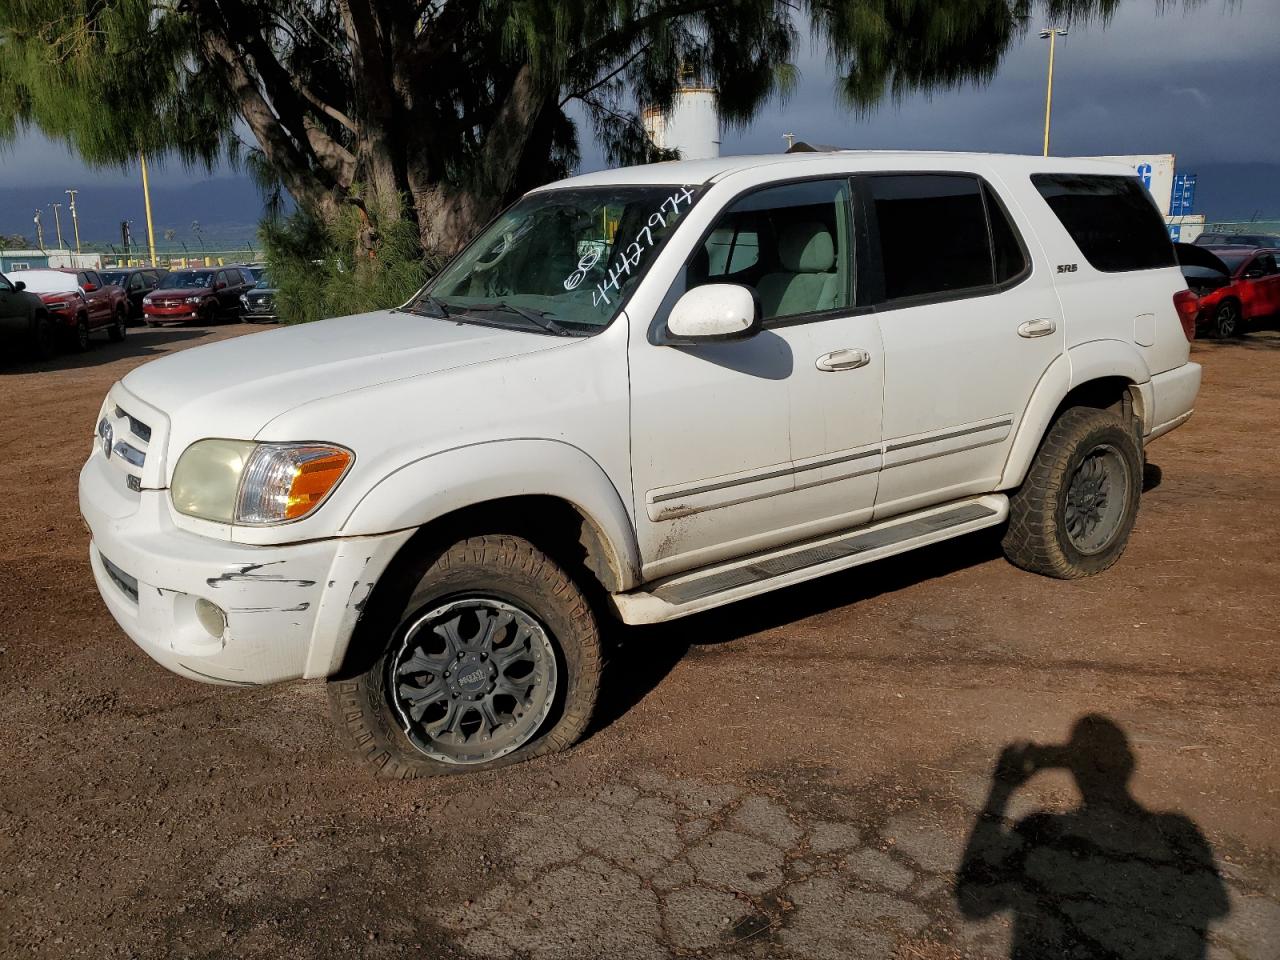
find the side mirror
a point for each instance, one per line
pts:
(219, 285)
(89, 287)
(19, 285)
(714, 311)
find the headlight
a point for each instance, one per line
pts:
(195, 300)
(239, 481)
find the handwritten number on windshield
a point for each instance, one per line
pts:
(629, 257)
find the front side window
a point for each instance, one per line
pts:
(1113, 220)
(561, 260)
(789, 243)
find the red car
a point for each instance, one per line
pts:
(79, 302)
(204, 294)
(1248, 295)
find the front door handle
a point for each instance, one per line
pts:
(850, 358)
(1036, 328)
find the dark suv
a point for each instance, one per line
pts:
(136, 282)
(25, 318)
(204, 294)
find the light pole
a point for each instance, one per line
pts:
(75, 220)
(39, 231)
(1051, 34)
(57, 222)
(146, 196)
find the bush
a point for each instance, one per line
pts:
(314, 266)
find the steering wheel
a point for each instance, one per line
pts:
(498, 254)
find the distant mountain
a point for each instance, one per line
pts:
(227, 208)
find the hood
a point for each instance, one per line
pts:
(235, 387)
(181, 292)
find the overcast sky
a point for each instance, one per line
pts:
(1203, 84)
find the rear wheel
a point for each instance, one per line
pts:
(118, 326)
(1072, 516)
(494, 658)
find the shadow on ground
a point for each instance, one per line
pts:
(643, 656)
(139, 342)
(1107, 879)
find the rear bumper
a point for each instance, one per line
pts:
(1173, 398)
(290, 609)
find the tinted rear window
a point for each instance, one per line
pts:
(917, 257)
(1113, 220)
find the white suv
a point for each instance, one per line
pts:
(644, 392)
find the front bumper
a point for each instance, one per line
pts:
(290, 609)
(187, 311)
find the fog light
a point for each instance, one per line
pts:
(211, 617)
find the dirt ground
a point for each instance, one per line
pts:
(802, 776)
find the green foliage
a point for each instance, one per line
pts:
(312, 265)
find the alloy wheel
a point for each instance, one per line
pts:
(473, 679)
(1096, 496)
(1227, 320)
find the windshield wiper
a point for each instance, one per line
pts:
(539, 317)
(435, 302)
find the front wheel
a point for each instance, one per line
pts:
(1073, 514)
(118, 327)
(44, 338)
(1227, 322)
(81, 333)
(494, 658)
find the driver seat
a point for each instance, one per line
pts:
(807, 281)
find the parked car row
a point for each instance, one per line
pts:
(48, 309)
(1238, 286)
(61, 308)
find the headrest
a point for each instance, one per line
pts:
(806, 248)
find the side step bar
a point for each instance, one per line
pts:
(714, 586)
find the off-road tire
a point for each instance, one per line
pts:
(1036, 538)
(118, 327)
(505, 567)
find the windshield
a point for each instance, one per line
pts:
(187, 278)
(264, 282)
(45, 281)
(115, 278)
(569, 256)
(1233, 260)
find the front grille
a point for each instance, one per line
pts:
(136, 426)
(133, 451)
(128, 585)
(260, 303)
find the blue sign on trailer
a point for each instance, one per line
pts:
(1182, 202)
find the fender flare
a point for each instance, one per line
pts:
(1080, 364)
(441, 483)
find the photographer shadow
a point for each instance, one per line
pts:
(1109, 879)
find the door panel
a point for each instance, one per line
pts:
(968, 329)
(741, 446)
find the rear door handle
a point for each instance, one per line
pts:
(849, 358)
(1036, 328)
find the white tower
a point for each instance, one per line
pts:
(692, 126)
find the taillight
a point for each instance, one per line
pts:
(1188, 306)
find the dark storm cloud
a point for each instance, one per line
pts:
(1200, 83)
